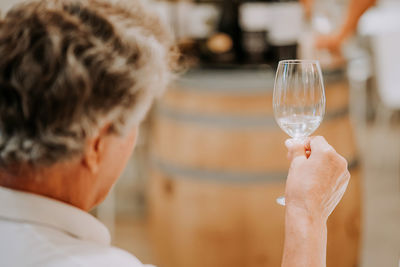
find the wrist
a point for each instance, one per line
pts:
(305, 238)
(345, 31)
(304, 216)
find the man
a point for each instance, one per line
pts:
(334, 41)
(76, 79)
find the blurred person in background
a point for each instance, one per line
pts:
(333, 42)
(76, 79)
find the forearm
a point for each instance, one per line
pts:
(307, 4)
(355, 11)
(305, 240)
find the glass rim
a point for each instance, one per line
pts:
(299, 61)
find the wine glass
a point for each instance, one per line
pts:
(299, 99)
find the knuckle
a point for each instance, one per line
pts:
(341, 162)
(348, 175)
(329, 152)
(335, 159)
(296, 162)
(319, 138)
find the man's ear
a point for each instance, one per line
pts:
(94, 150)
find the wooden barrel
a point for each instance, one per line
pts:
(218, 164)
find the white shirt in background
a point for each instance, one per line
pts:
(37, 231)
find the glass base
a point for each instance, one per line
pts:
(281, 201)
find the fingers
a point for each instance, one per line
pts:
(319, 145)
(342, 181)
(295, 149)
(338, 192)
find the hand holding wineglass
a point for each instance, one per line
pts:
(316, 182)
(314, 187)
(299, 99)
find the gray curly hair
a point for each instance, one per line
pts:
(69, 67)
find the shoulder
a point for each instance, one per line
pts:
(37, 246)
(96, 255)
(109, 256)
(70, 252)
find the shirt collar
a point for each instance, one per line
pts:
(36, 209)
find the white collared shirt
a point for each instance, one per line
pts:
(36, 231)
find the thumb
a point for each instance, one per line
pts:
(295, 149)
